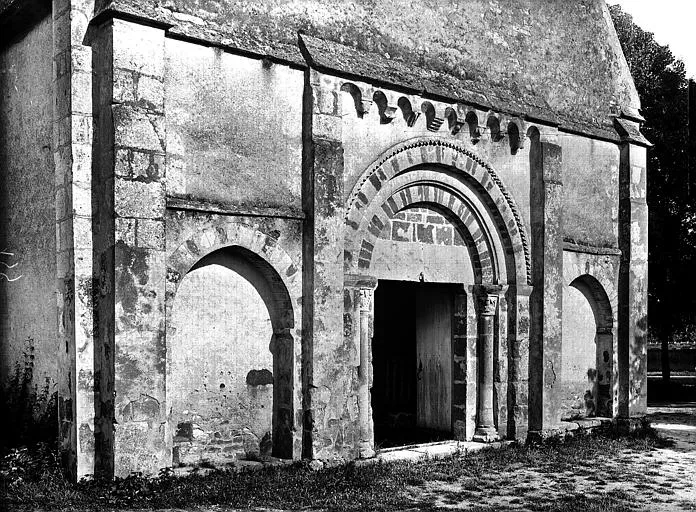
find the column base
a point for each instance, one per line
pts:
(365, 450)
(485, 435)
(627, 426)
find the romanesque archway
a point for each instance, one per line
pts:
(444, 173)
(446, 178)
(231, 380)
(587, 351)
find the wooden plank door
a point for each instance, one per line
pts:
(434, 357)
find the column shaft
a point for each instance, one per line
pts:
(364, 409)
(485, 422)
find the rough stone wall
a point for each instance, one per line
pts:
(234, 128)
(217, 146)
(28, 327)
(566, 51)
(421, 243)
(221, 407)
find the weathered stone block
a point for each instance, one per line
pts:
(326, 101)
(138, 199)
(81, 199)
(424, 233)
(150, 234)
(125, 230)
(122, 163)
(443, 235)
(81, 92)
(135, 128)
(327, 127)
(140, 90)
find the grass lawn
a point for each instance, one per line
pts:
(33, 481)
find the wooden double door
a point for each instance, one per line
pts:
(412, 360)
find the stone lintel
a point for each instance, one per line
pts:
(591, 249)
(203, 205)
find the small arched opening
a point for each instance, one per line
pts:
(587, 350)
(230, 361)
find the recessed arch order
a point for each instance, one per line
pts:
(453, 180)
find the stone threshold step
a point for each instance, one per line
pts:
(440, 449)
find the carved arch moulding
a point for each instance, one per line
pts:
(389, 185)
(229, 235)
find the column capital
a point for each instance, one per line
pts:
(488, 296)
(488, 304)
(365, 301)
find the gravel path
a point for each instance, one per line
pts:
(663, 479)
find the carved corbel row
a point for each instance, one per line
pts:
(410, 115)
(472, 121)
(390, 105)
(387, 105)
(433, 118)
(516, 130)
(362, 97)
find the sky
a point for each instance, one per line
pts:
(672, 21)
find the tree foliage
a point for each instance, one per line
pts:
(663, 88)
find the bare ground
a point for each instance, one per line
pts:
(662, 479)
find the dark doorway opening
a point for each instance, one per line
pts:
(412, 363)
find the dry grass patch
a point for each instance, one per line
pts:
(478, 481)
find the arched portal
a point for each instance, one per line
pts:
(462, 330)
(587, 350)
(230, 359)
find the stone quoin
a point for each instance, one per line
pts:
(246, 230)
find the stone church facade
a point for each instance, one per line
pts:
(314, 229)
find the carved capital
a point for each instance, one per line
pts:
(488, 303)
(365, 299)
(488, 297)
